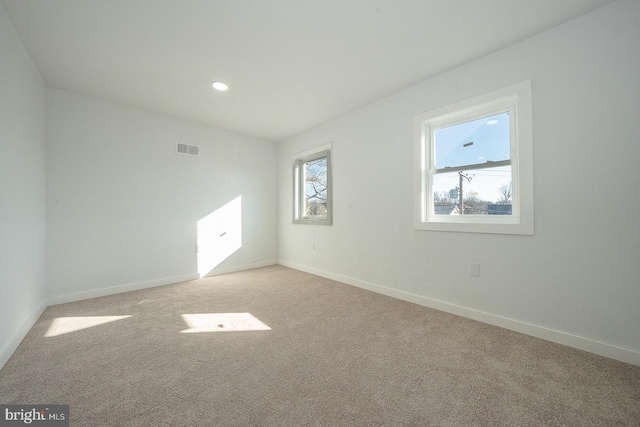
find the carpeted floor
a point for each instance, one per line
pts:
(293, 349)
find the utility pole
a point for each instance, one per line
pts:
(468, 178)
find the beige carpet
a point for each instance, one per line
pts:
(295, 349)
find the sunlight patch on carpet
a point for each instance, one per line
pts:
(222, 322)
(65, 325)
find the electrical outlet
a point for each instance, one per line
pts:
(313, 246)
(474, 270)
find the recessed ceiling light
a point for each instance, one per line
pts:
(221, 86)
(492, 122)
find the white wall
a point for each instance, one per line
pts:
(22, 190)
(577, 280)
(122, 206)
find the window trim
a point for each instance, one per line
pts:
(298, 187)
(516, 99)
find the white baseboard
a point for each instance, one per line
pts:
(78, 296)
(581, 343)
(216, 272)
(22, 332)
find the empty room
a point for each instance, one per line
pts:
(335, 213)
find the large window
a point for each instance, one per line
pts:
(474, 164)
(312, 187)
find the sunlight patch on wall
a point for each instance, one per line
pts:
(222, 322)
(65, 325)
(219, 235)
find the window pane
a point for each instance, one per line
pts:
(484, 192)
(474, 142)
(315, 188)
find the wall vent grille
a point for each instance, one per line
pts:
(187, 149)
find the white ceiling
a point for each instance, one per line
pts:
(291, 64)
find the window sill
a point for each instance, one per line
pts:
(478, 225)
(312, 221)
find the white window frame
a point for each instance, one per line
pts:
(517, 100)
(298, 186)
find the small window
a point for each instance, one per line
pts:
(474, 165)
(312, 187)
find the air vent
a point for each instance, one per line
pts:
(187, 149)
